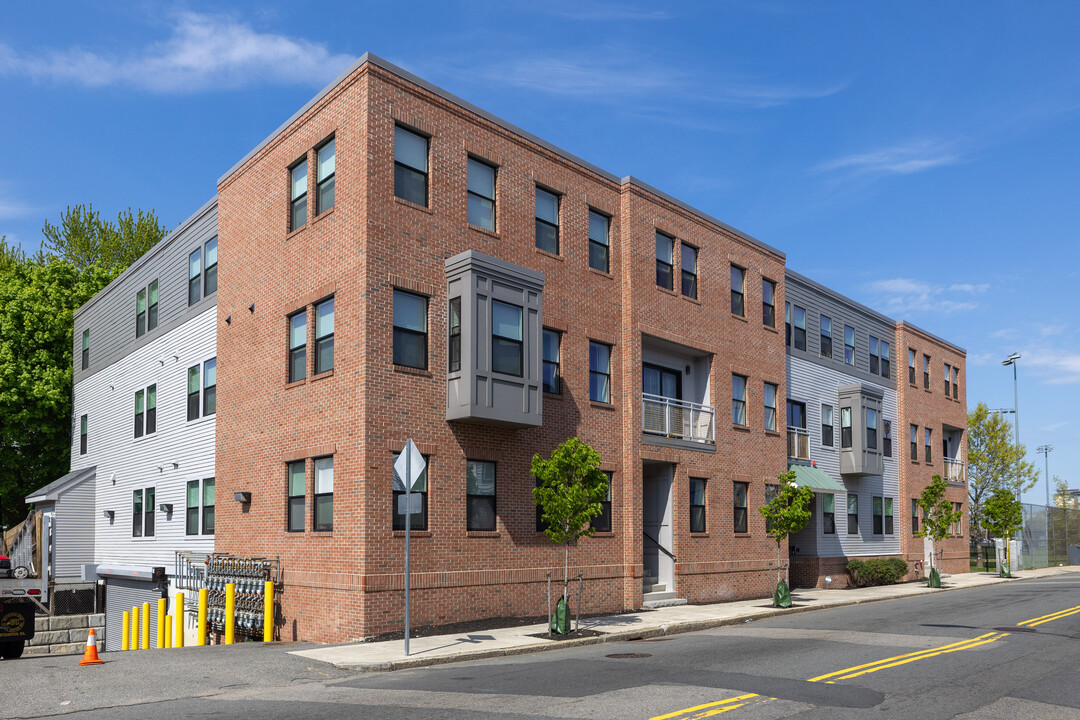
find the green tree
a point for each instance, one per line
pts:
(1062, 498)
(786, 514)
(1003, 515)
(570, 492)
(994, 461)
(83, 238)
(939, 516)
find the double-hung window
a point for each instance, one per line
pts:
(547, 221)
(507, 345)
(209, 390)
(599, 372)
(739, 491)
(787, 324)
(454, 328)
(845, 427)
(888, 515)
(914, 442)
(956, 383)
(199, 518)
(926, 372)
(770, 406)
(602, 522)
(209, 274)
(194, 283)
(738, 399)
(140, 313)
(410, 329)
(298, 195)
(871, 429)
(852, 514)
(884, 359)
(828, 513)
(599, 241)
(827, 425)
(849, 345)
(738, 291)
(958, 527)
(418, 521)
(296, 477)
(82, 435)
(142, 512)
(911, 366)
(914, 516)
(85, 349)
(410, 166)
(886, 438)
(697, 505)
(826, 336)
(193, 377)
(480, 495)
(146, 309)
(665, 261)
(324, 336)
(481, 195)
(323, 497)
(946, 376)
(552, 352)
(928, 434)
(800, 328)
(146, 411)
(875, 358)
(689, 271)
(879, 518)
(768, 303)
(324, 179)
(152, 298)
(298, 346)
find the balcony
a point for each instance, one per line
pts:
(953, 471)
(677, 419)
(798, 443)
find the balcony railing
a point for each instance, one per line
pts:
(953, 470)
(677, 419)
(798, 443)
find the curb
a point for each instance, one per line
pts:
(643, 633)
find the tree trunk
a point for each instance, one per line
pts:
(566, 574)
(777, 569)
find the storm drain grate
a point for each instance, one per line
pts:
(629, 656)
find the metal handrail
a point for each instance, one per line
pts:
(679, 419)
(661, 547)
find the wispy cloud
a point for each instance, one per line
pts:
(902, 296)
(1054, 426)
(203, 52)
(1004, 333)
(1061, 367)
(11, 207)
(902, 159)
(1047, 330)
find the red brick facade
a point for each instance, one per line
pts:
(929, 407)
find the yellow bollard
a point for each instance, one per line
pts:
(178, 637)
(201, 640)
(125, 636)
(135, 628)
(268, 611)
(168, 631)
(145, 644)
(230, 612)
(162, 608)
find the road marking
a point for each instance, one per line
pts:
(706, 706)
(923, 657)
(1052, 616)
(909, 657)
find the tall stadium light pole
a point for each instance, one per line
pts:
(1046, 450)
(1011, 360)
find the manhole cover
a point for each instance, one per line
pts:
(1016, 629)
(629, 656)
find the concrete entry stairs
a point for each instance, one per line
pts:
(657, 596)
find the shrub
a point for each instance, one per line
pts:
(877, 571)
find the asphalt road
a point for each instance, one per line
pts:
(1003, 651)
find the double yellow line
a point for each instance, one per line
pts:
(1047, 618)
(873, 667)
(710, 709)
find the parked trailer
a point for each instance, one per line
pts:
(26, 585)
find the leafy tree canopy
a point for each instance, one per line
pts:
(84, 239)
(994, 460)
(787, 512)
(939, 515)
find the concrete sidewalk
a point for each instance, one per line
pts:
(441, 649)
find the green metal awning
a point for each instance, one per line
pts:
(818, 480)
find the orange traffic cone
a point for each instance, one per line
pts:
(90, 656)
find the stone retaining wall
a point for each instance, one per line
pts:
(65, 635)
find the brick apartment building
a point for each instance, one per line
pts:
(396, 263)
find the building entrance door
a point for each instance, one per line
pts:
(657, 551)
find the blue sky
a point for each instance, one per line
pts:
(919, 158)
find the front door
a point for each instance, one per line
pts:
(659, 567)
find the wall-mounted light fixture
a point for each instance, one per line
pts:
(109, 514)
(242, 497)
(251, 308)
(687, 369)
(165, 508)
(228, 319)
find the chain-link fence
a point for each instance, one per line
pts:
(75, 599)
(1051, 537)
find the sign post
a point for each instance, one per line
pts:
(409, 467)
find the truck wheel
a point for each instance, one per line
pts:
(11, 650)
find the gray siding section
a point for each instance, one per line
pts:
(74, 529)
(818, 300)
(110, 315)
(815, 385)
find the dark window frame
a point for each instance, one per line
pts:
(210, 268)
(194, 285)
(152, 292)
(192, 512)
(602, 522)
(547, 231)
(555, 388)
(453, 351)
(878, 511)
(740, 521)
(853, 517)
(773, 414)
(193, 397)
(698, 510)
(507, 342)
(419, 521)
(319, 523)
(595, 373)
(600, 248)
(410, 172)
(472, 523)
(405, 332)
(828, 517)
(298, 202)
(914, 434)
(911, 366)
(928, 435)
(871, 431)
(787, 324)
(665, 269)
(799, 334)
(768, 302)
(948, 376)
(207, 513)
(827, 429)
(849, 347)
(296, 368)
(738, 296)
(688, 279)
(470, 193)
(325, 187)
(886, 438)
(86, 349)
(956, 383)
(738, 404)
(295, 504)
(886, 360)
(926, 372)
(825, 333)
(873, 348)
(845, 428)
(324, 344)
(209, 392)
(889, 509)
(914, 516)
(140, 412)
(143, 506)
(140, 313)
(83, 433)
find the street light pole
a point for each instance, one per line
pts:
(1011, 360)
(1046, 450)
